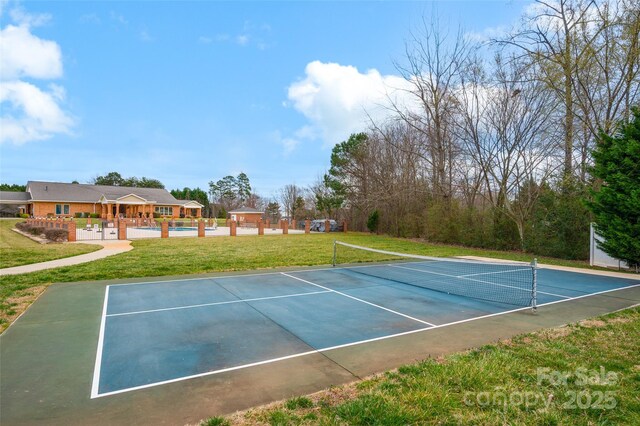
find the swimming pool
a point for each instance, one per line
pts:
(175, 228)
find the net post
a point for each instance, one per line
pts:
(534, 287)
(335, 247)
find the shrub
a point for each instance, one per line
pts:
(35, 230)
(57, 235)
(23, 215)
(94, 215)
(78, 215)
(215, 421)
(23, 226)
(298, 402)
(156, 215)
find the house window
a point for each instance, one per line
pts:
(164, 210)
(62, 209)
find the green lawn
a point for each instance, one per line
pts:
(16, 250)
(178, 256)
(491, 385)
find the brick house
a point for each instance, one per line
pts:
(57, 199)
(246, 215)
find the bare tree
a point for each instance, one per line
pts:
(287, 196)
(509, 133)
(607, 76)
(434, 62)
(547, 40)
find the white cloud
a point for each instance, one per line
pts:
(339, 100)
(120, 19)
(90, 18)
(34, 114)
(242, 40)
(249, 35)
(145, 36)
(21, 17)
(30, 112)
(289, 145)
(24, 55)
(488, 34)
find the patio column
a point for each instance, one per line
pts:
(71, 231)
(122, 230)
(109, 211)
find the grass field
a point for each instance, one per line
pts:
(491, 385)
(180, 256)
(16, 250)
(438, 391)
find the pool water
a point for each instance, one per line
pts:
(177, 228)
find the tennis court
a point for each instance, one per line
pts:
(156, 333)
(175, 350)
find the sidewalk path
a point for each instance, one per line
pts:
(109, 249)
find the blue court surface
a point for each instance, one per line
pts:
(162, 332)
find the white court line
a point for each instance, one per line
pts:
(260, 274)
(495, 272)
(359, 300)
(480, 281)
(327, 349)
(328, 268)
(216, 303)
(96, 369)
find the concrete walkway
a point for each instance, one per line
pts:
(109, 249)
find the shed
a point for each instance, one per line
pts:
(246, 215)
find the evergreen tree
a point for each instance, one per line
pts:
(616, 205)
(373, 221)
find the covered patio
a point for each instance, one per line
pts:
(134, 206)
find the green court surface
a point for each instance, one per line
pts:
(179, 349)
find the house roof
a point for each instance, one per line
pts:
(85, 193)
(246, 210)
(185, 202)
(11, 197)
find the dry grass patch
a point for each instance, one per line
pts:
(19, 303)
(592, 323)
(553, 333)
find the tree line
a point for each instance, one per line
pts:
(491, 144)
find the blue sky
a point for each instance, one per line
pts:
(188, 92)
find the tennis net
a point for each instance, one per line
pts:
(512, 283)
